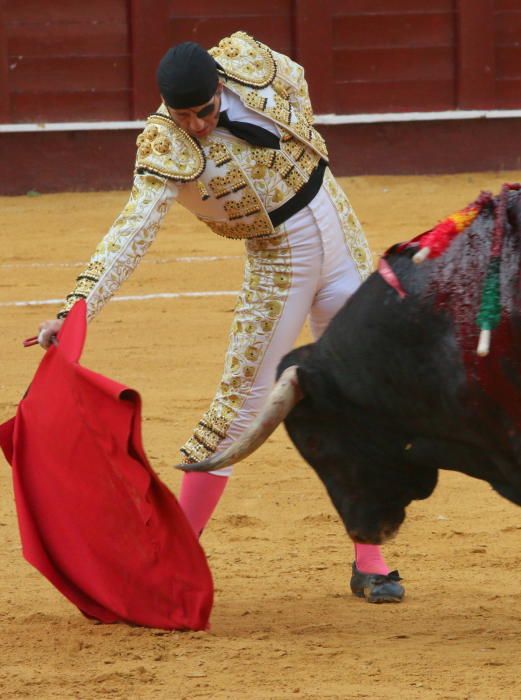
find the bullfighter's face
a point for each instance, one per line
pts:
(201, 120)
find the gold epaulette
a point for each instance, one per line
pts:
(245, 60)
(165, 149)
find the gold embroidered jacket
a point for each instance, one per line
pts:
(228, 184)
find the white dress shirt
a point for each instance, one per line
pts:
(240, 113)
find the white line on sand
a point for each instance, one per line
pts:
(136, 297)
(157, 261)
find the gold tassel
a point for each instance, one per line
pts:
(203, 191)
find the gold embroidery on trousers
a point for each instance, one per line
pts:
(353, 234)
(267, 281)
(209, 432)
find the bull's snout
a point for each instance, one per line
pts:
(372, 523)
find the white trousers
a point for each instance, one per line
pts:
(317, 275)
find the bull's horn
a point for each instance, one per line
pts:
(285, 394)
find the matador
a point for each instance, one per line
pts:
(233, 141)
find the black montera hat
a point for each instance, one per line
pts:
(187, 76)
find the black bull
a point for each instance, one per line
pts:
(394, 389)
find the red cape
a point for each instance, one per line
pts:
(93, 516)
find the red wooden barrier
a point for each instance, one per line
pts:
(66, 61)
(207, 21)
(476, 60)
(63, 61)
(507, 22)
(313, 42)
(393, 55)
(4, 66)
(148, 18)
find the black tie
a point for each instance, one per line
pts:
(251, 133)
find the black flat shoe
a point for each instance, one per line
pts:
(377, 588)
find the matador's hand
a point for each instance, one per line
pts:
(47, 330)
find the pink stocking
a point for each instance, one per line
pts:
(369, 559)
(200, 493)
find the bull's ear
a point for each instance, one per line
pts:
(297, 357)
(323, 391)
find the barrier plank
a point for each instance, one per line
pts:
(475, 63)
(69, 39)
(397, 31)
(396, 64)
(73, 106)
(419, 95)
(45, 11)
(44, 74)
(208, 31)
(391, 6)
(4, 66)
(313, 40)
(233, 9)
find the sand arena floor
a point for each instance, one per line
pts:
(284, 624)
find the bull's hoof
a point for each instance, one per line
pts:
(377, 588)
